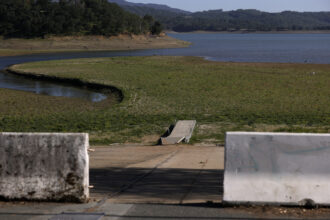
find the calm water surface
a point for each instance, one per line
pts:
(10, 81)
(280, 48)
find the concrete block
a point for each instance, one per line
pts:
(277, 168)
(44, 166)
(182, 132)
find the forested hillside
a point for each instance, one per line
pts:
(218, 20)
(252, 20)
(150, 6)
(38, 18)
(165, 15)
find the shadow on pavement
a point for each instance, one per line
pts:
(148, 185)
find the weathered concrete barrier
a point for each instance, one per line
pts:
(44, 166)
(277, 168)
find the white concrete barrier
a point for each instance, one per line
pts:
(277, 168)
(44, 166)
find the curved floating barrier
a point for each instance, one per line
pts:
(277, 168)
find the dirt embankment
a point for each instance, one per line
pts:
(12, 47)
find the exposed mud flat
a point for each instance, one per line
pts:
(14, 46)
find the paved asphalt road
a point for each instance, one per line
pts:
(154, 182)
(111, 211)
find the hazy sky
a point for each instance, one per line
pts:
(264, 5)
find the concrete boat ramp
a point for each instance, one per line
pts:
(170, 182)
(154, 182)
(182, 132)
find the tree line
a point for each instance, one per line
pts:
(39, 18)
(250, 20)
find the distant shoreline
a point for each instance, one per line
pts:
(16, 47)
(252, 32)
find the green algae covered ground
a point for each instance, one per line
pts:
(160, 90)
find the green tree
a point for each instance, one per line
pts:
(38, 18)
(157, 28)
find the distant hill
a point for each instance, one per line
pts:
(252, 20)
(219, 20)
(153, 6)
(163, 13)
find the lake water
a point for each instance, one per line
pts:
(280, 48)
(10, 81)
